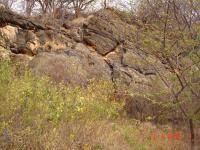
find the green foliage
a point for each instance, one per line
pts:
(35, 113)
(31, 105)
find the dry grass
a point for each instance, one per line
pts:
(36, 114)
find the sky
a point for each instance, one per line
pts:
(121, 4)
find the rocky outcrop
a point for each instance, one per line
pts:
(7, 36)
(105, 31)
(9, 17)
(75, 67)
(97, 47)
(113, 40)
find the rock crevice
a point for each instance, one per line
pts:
(97, 47)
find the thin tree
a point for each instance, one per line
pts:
(176, 41)
(80, 5)
(29, 5)
(7, 3)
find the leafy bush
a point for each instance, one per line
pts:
(32, 104)
(37, 114)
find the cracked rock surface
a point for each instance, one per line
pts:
(96, 47)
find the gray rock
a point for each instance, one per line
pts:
(105, 31)
(73, 67)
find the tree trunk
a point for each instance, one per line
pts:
(192, 134)
(28, 11)
(105, 4)
(77, 12)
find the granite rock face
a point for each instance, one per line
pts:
(105, 31)
(97, 47)
(75, 67)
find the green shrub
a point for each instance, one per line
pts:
(36, 113)
(32, 104)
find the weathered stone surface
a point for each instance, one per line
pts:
(8, 17)
(8, 35)
(71, 66)
(99, 46)
(105, 31)
(138, 62)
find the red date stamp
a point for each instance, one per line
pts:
(169, 136)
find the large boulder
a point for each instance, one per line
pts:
(75, 67)
(17, 40)
(8, 35)
(105, 31)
